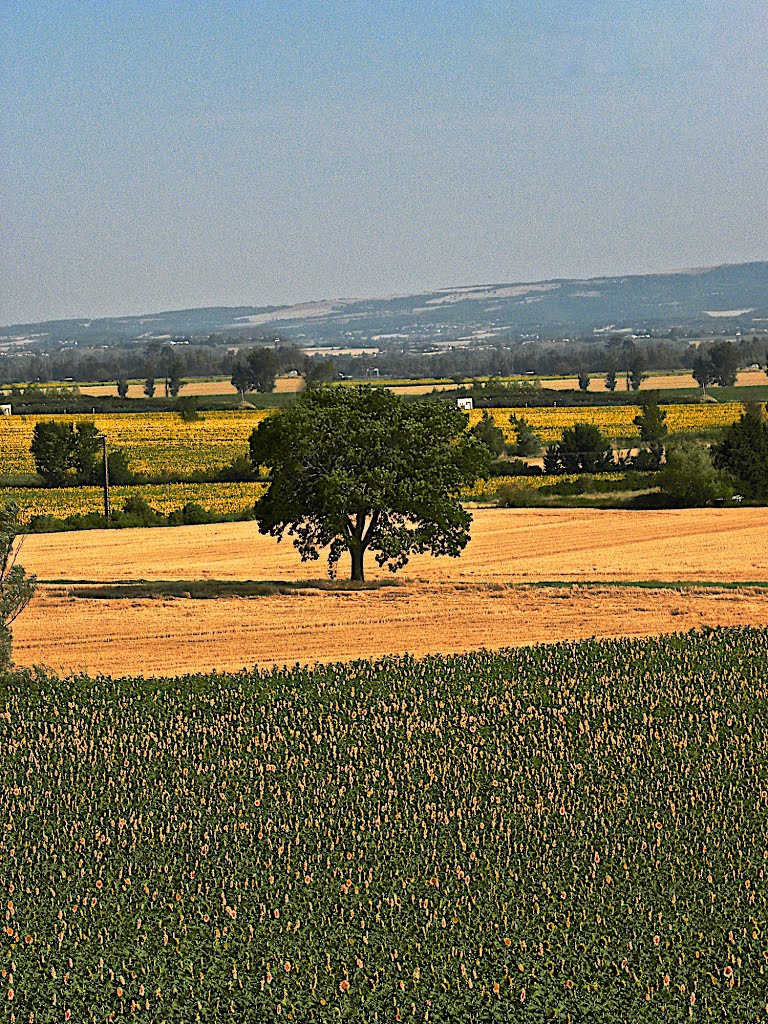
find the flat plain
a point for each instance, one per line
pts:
(489, 597)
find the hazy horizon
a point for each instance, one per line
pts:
(164, 157)
(139, 313)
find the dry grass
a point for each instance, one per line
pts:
(657, 382)
(166, 636)
(443, 605)
(194, 388)
(508, 545)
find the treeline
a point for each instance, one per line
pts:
(183, 358)
(156, 360)
(550, 358)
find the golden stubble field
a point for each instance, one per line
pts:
(484, 598)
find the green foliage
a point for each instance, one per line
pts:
(119, 468)
(583, 449)
(355, 468)
(522, 836)
(489, 434)
(717, 364)
(689, 477)
(648, 459)
(51, 447)
(59, 447)
(319, 371)
(187, 408)
(527, 444)
(651, 421)
(149, 383)
(17, 587)
(610, 377)
(122, 388)
(255, 370)
(239, 470)
(636, 370)
(87, 459)
(743, 452)
(174, 373)
(583, 382)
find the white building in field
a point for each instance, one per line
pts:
(5, 410)
(465, 404)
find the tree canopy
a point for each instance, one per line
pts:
(651, 421)
(743, 452)
(689, 478)
(490, 435)
(582, 449)
(717, 364)
(358, 468)
(255, 370)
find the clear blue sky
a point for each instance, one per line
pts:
(159, 155)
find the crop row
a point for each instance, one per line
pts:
(164, 443)
(569, 832)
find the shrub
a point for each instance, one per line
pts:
(689, 477)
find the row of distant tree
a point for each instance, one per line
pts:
(165, 366)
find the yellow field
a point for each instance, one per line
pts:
(61, 502)
(614, 421)
(154, 442)
(163, 442)
(218, 498)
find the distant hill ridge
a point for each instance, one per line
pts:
(707, 298)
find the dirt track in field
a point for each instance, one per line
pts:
(443, 604)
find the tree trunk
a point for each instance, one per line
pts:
(357, 551)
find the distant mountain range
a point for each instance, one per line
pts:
(709, 299)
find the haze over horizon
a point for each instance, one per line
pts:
(162, 157)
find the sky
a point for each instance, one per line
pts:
(162, 155)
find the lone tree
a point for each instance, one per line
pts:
(652, 421)
(527, 443)
(359, 467)
(16, 586)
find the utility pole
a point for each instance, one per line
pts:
(106, 475)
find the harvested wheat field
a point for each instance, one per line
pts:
(508, 545)
(441, 605)
(174, 636)
(654, 382)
